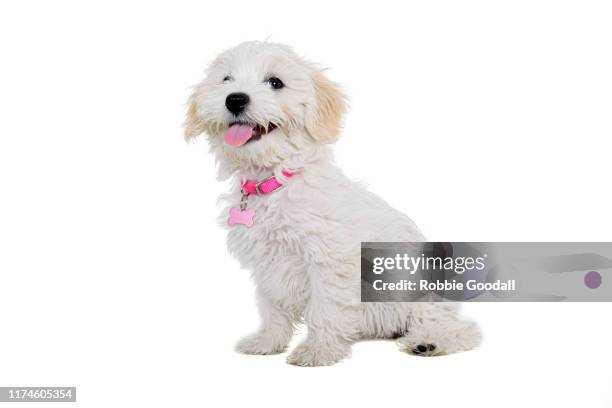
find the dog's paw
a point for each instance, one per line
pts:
(313, 354)
(260, 344)
(422, 349)
(440, 338)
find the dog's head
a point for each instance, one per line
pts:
(261, 104)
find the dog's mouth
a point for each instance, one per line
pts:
(241, 133)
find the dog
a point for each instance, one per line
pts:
(295, 220)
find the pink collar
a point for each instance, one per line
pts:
(265, 186)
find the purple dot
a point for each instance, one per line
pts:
(592, 279)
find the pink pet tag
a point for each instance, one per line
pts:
(241, 215)
(244, 217)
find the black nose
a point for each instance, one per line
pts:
(236, 102)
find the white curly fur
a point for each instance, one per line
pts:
(304, 247)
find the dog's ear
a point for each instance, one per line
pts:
(324, 119)
(193, 125)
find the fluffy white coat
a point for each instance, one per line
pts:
(304, 247)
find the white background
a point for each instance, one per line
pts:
(482, 120)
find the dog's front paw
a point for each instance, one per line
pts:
(315, 353)
(260, 343)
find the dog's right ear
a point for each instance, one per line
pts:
(193, 125)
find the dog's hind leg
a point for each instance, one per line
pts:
(275, 333)
(436, 330)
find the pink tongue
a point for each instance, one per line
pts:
(237, 135)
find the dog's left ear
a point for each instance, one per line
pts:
(193, 125)
(324, 117)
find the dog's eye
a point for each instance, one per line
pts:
(275, 83)
(227, 78)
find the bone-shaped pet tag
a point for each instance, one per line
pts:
(242, 215)
(238, 216)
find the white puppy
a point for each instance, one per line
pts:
(269, 113)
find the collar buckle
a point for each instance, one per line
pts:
(258, 185)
